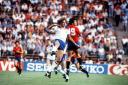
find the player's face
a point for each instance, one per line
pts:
(49, 42)
(17, 43)
(64, 23)
(75, 22)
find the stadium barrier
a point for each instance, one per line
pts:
(110, 69)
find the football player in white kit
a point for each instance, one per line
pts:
(50, 59)
(60, 35)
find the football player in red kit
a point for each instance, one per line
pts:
(73, 46)
(18, 51)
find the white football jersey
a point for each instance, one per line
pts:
(61, 34)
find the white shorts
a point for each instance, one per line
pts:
(51, 57)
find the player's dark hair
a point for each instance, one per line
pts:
(60, 21)
(71, 21)
(17, 41)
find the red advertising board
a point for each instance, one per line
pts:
(115, 69)
(7, 66)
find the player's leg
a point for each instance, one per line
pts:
(58, 63)
(20, 66)
(60, 45)
(78, 62)
(68, 67)
(68, 61)
(48, 72)
(62, 62)
(54, 52)
(50, 64)
(53, 64)
(17, 64)
(79, 66)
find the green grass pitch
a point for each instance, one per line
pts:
(38, 78)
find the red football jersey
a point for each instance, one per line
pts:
(74, 33)
(16, 50)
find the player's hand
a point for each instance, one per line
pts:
(18, 52)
